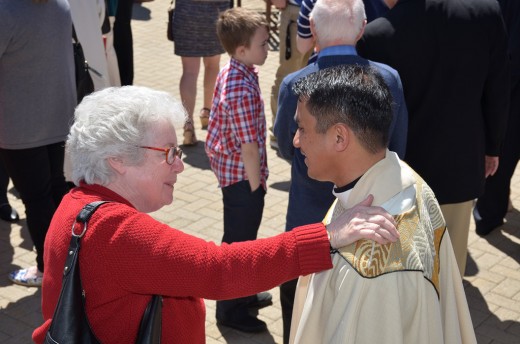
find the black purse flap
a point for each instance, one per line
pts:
(150, 328)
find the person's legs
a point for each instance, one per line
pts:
(112, 64)
(188, 91)
(243, 211)
(457, 217)
(4, 182)
(211, 69)
(39, 180)
(59, 187)
(492, 206)
(123, 42)
(188, 83)
(7, 213)
(287, 292)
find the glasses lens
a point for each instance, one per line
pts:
(171, 155)
(174, 152)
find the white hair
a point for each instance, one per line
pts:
(111, 123)
(338, 21)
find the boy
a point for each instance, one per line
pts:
(236, 148)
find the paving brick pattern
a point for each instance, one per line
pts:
(492, 280)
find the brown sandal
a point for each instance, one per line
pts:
(204, 117)
(189, 134)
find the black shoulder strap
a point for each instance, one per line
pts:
(83, 217)
(74, 36)
(87, 211)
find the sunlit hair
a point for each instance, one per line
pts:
(237, 26)
(338, 21)
(111, 123)
(353, 95)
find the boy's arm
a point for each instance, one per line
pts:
(251, 160)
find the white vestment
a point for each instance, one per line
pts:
(409, 291)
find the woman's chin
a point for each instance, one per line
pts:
(168, 199)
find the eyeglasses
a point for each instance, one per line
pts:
(171, 153)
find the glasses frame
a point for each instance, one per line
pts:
(177, 152)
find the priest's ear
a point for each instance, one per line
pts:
(341, 136)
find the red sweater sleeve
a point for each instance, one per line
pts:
(170, 262)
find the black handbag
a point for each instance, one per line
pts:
(69, 322)
(84, 83)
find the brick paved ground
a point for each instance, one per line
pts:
(492, 279)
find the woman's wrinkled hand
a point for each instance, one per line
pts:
(363, 221)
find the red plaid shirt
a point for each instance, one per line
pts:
(237, 117)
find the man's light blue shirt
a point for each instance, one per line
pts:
(338, 50)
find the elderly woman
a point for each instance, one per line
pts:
(123, 149)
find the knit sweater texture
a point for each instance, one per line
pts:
(126, 256)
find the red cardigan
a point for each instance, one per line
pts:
(126, 256)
